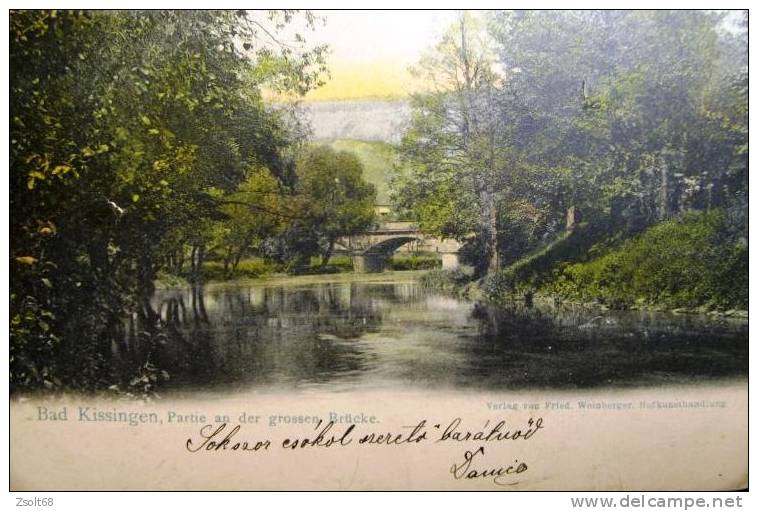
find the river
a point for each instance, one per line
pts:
(385, 331)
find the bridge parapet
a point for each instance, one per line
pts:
(396, 226)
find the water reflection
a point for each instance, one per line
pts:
(348, 335)
(577, 347)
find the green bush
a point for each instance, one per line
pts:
(585, 241)
(341, 263)
(691, 261)
(167, 280)
(247, 268)
(336, 264)
(445, 280)
(414, 262)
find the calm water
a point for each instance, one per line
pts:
(363, 333)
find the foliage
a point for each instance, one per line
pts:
(588, 239)
(256, 211)
(414, 262)
(335, 264)
(378, 160)
(696, 259)
(331, 199)
(127, 130)
(455, 151)
(543, 117)
(246, 268)
(451, 281)
(625, 103)
(317, 266)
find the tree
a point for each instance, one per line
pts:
(256, 212)
(624, 101)
(332, 200)
(458, 164)
(127, 130)
(625, 117)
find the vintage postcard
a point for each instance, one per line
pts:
(378, 250)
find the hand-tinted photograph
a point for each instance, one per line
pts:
(443, 220)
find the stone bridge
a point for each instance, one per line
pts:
(371, 250)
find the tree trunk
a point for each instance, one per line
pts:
(98, 257)
(193, 260)
(494, 262)
(228, 258)
(328, 253)
(238, 258)
(241, 249)
(200, 259)
(179, 260)
(663, 206)
(198, 255)
(572, 217)
(489, 215)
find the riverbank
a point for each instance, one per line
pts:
(286, 279)
(260, 269)
(696, 263)
(464, 287)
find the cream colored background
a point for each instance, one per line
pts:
(667, 449)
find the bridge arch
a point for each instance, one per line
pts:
(375, 257)
(371, 250)
(388, 246)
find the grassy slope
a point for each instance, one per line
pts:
(570, 246)
(695, 260)
(690, 261)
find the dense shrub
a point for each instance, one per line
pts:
(247, 268)
(445, 280)
(695, 260)
(584, 242)
(341, 263)
(414, 262)
(336, 264)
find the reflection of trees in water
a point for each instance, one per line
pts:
(262, 334)
(136, 350)
(576, 346)
(225, 335)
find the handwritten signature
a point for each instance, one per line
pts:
(499, 474)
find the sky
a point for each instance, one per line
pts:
(372, 50)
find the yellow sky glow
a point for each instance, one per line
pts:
(371, 51)
(377, 79)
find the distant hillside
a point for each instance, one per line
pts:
(368, 128)
(370, 120)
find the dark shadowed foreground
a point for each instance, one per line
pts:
(353, 334)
